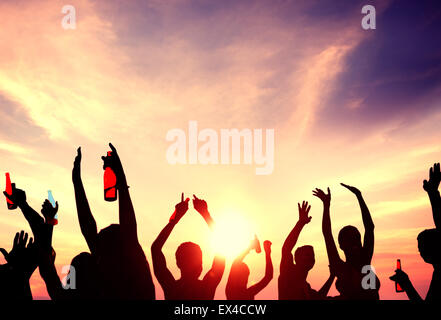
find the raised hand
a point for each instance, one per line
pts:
(113, 161)
(23, 257)
(48, 210)
(181, 208)
(434, 179)
(18, 196)
(326, 198)
(354, 190)
(303, 212)
(76, 171)
(401, 278)
(200, 205)
(267, 246)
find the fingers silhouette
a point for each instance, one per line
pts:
(4, 253)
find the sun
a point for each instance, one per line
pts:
(231, 235)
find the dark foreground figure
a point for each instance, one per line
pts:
(429, 243)
(188, 260)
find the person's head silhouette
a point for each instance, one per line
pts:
(349, 239)
(428, 241)
(240, 274)
(84, 266)
(189, 260)
(304, 257)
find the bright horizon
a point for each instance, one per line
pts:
(346, 105)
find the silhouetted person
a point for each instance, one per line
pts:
(35, 221)
(293, 275)
(83, 264)
(429, 242)
(82, 283)
(188, 260)
(123, 270)
(21, 264)
(237, 285)
(349, 273)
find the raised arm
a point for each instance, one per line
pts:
(245, 252)
(18, 196)
(201, 207)
(323, 292)
(127, 218)
(431, 188)
(269, 271)
(214, 275)
(331, 248)
(46, 259)
(403, 280)
(291, 240)
(368, 243)
(162, 273)
(85, 217)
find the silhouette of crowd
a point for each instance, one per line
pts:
(116, 266)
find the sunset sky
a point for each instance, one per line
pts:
(348, 105)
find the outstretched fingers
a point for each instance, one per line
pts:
(30, 243)
(16, 239)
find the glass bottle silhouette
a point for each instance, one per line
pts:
(8, 190)
(109, 182)
(397, 286)
(256, 244)
(51, 199)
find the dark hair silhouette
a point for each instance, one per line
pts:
(349, 239)
(293, 274)
(237, 285)
(85, 268)
(428, 243)
(304, 256)
(188, 259)
(358, 255)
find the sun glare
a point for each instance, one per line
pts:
(232, 234)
